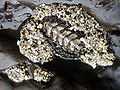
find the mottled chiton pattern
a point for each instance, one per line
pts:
(69, 31)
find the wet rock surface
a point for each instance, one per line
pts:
(17, 12)
(9, 53)
(12, 14)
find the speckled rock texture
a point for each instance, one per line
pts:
(72, 33)
(70, 75)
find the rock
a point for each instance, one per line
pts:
(9, 54)
(12, 14)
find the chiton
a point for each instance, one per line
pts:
(69, 31)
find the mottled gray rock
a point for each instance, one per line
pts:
(21, 12)
(115, 40)
(7, 58)
(12, 14)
